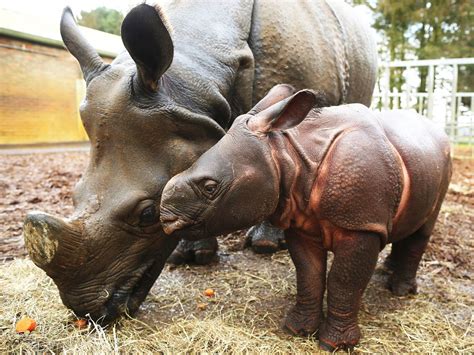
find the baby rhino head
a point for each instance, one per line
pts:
(235, 184)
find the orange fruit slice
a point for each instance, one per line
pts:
(25, 324)
(209, 292)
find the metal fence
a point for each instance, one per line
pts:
(441, 101)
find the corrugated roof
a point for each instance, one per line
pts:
(37, 29)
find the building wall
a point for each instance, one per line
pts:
(40, 91)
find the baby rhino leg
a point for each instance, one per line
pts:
(309, 258)
(404, 260)
(355, 257)
(407, 253)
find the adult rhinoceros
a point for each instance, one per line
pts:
(159, 106)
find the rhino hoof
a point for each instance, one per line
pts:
(266, 239)
(333, 339)
(178, 258)
(204, 257)
(302, 320)
(329, 348)
(326, 347)
(400, 287)
(201, 252)
(265, 246)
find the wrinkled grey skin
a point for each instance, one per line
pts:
(159, 106)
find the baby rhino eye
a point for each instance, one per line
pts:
(209, 186)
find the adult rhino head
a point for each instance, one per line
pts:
(106, 256)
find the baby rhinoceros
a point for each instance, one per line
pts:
(343, 179)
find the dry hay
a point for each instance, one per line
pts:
(243, 317)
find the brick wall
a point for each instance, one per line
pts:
(40, 89)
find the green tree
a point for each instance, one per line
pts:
(445, 31)
(102, 19)
(425, 29)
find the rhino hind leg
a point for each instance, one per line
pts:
(201, 252)
(404, 261)
(265, 238)
(406, 255)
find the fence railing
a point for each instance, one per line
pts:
(440, 101)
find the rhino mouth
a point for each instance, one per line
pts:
(172, 222)
(181, 226)
(127, 298)
(186, 230)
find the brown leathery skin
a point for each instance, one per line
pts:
(351, 176)
(162, 103)
(336, 182)
(423, 148)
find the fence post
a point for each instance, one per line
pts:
(395, 99)
(471, 128)
(386, 98)
(430, 91)
(407, 91)
(454, 103)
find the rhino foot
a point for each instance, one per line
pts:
(265, 238)
(201, 252)
(335, 338)
(402, 287)
(389, 263)
(302, 321)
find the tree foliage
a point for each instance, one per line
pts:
(425, 29)
(102, 19)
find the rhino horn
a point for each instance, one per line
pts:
(90, 61)
(51, 241)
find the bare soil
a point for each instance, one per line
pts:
(253, 291)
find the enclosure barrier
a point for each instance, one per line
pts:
(440, 101)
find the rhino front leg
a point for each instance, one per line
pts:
(309, 258)
(265, 238)
(200, 252)
(355, 257)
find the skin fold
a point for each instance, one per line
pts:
(342, 179)
(189, 69)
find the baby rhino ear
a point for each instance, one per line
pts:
(284, 114)
(276, 94)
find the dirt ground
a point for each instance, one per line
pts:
(253, 292)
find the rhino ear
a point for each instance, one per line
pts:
(86, 55)
(277, 93)
(149, 43)
(285, 114)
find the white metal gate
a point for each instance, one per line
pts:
(441, 101)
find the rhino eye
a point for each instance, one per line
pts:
(209, 186)
(148, 216)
